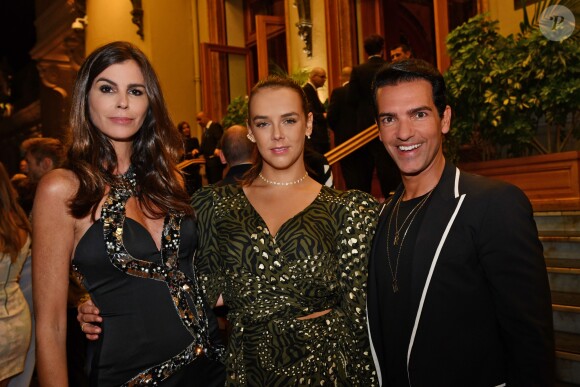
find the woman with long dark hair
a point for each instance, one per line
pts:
(119, 212)
(15, 322)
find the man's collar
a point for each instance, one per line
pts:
(208, 124)
(312, 84)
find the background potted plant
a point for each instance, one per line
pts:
(506, 91)
(516, 96)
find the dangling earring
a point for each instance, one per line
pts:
(250, 137)
(308, 136)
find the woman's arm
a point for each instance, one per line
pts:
(53, 230)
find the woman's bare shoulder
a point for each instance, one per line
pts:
(59, 182)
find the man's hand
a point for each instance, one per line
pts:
(88, 314)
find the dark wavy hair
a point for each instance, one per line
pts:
(155, 146)
(409, 70)
(271, 82)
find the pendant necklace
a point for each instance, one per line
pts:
(410, 215)
(395, 213)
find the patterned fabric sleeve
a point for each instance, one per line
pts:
(358, 228)
(206, 260)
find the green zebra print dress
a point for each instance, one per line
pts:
(317, 261)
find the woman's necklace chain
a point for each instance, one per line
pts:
(395, 213)
(283, 183)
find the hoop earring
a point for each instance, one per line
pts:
(250, 137)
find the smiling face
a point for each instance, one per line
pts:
(279, 125)
(118, 102)
(411, 130)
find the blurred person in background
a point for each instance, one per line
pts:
(212, 134)
(191, 173)
(15, 323)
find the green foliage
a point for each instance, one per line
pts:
(237, 112)
(502, 88)
(300, 76)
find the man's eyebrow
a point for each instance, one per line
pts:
(387, 114)
(418, 109)
(409, 112)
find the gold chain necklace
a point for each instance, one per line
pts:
(395, 209)
(285, 183)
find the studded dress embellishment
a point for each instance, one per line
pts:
(180, 287)
(317, 262)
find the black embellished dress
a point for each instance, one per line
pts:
(316, 261)
(155, 330)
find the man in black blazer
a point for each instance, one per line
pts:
(212, 133)
(372, 155)
(458, 292)
(320, 141)
(342, 121)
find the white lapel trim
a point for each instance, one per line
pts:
(373, 352)
(432, 269)
(456, 186)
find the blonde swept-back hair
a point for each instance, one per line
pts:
(12, 218)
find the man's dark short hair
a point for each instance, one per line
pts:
(374, 44)
(409, 70)
(403, 46)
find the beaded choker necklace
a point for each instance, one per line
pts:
(283, 183)
(126, 183)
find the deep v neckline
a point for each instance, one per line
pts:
(284, 223)
(146, 231)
